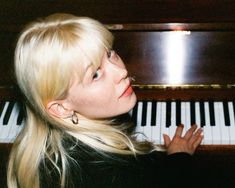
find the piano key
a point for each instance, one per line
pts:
(168, 113)
(178, 112)
(133, 113)
(187, 116)
(226, 113)
(182, 109)
(232, 123)
(2, 104)
(139, 128)
(192, 112)
(3, 128)
(224, 129)
(233, 108)
(21, 114)
(197, 114)
(216, 130)
(156, 130)
(144, 112)
(165, 129)
(13, 128)
(173, 120)
(207, 132)
(212, 113)
(8, 113)
(183, 116)
(202, 113)
(147, 127)
(154, 113)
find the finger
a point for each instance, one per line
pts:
(179, 130)
(190, 132)
(167, 140)
(198, 141)
(196, 136)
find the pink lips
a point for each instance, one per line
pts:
(128, 91)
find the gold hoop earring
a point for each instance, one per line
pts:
(74, 118)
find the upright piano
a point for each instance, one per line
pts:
(181, 55)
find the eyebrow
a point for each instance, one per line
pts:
(85, 72)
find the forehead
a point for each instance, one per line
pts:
(88, 61)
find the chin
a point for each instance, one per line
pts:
(132, 103)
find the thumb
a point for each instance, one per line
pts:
(167, 140)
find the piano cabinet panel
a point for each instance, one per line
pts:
(6, 58)
(173, 57)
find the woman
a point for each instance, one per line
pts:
(75, 86)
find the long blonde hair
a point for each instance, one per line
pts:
(45, 55)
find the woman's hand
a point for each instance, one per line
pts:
(187, 143)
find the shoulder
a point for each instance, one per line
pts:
(178, 158)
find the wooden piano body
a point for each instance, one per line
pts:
(174, 49)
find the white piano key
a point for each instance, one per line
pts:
(15, 129)
(147, 128)
(139, 128)
(207, 132)
(165, 130)
(173, 120)
(3, 111)
(187, 116)
(198, 117)
(4, 128)
(156, 130)
(216, 130)
(197, 114)
(183, 116)
(224, 129)
(10, 133)
(232, 123)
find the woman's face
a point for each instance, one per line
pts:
(104, 92)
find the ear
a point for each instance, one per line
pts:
(58, 109)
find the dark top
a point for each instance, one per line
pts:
(92, 169)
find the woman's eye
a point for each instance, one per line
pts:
(96, 75)
(109, 53)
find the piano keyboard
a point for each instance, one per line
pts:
(153, 118)
(11, 121)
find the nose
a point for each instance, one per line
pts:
(122, 74)
(119, 71)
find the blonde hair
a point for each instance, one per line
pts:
(45, 55)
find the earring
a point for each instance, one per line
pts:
(74, 118)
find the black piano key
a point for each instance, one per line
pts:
(134, 114)
(154, 113)
(202, 113)
(2, 104)
(21, 114)
(192, 112)
(212, 113)
(226, 113)
(234, 109)
(144, 113)
(168, 113)
(178, 112)
(8, 113)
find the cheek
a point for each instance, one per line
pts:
(94, 101)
